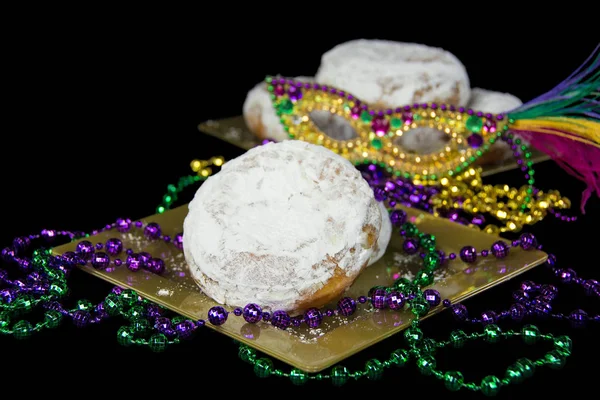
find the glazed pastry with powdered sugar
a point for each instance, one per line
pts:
(287, 225)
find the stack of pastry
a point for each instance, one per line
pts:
(387, 75)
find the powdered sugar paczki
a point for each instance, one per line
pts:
(389, 74)
(279, 224)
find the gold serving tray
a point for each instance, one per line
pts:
(234, 131)
(313, 350)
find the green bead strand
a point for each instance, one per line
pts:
(422, 350)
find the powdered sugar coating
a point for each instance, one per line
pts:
(392, 74)
(384, 235)
(277, 223)
(488, 101)
(259, 113)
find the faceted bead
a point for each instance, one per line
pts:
(246, 354)
(22, 330)
(396, 123)
(458, 339)
(578, 318)
(152, 230)
(365, 116)
(530, 334)
(125, 335)
(128, 297)
(490, 385)
(400, 357)
(140, 325)
(295, 93)
(81, 318)
(410, 246)
(489, 317)
(555, 360)
(500, 249)
(426, 364)
(298, 377)
(409, 229)
(398, 217)
(492, 333)
(285, 106)
(156, 265)
(158, 342)
(517, 311)
(474, 124)
(419, 306)
(263, 367)
(281, 319)
(563, 345)
(84, 248)
(403, 285)
(24, 303)
(460, 312)
(134, 262)
(252, 313)
(433, 297)
(313, 317)
(427, 242)
(185, 329)
(468, 254)
(432, 261)
(427, 346)
(526, 366)
(413, 335)
(100, 260)
(527, 241)
(217, 315)
(424, 278)
(339, 375)
(475, 140)
(514, 374)
(58, 289)
(123, 225)
(178, 241)
(113, 246)
(395, 300)
(112, 304)
(374, 369)
(453, 380)
(378, 298)
(84, 305)
(135, 312)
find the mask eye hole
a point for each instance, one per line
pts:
(422, 140)
(333, 125)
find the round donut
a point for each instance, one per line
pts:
(287, 225)
(390, 74)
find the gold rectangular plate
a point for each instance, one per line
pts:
(313, 350)
(234, 131)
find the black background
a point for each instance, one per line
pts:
(101, 113)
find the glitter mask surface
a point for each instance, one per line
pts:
(313, 350)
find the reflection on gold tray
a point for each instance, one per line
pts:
(234, 131)
(313, 350)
